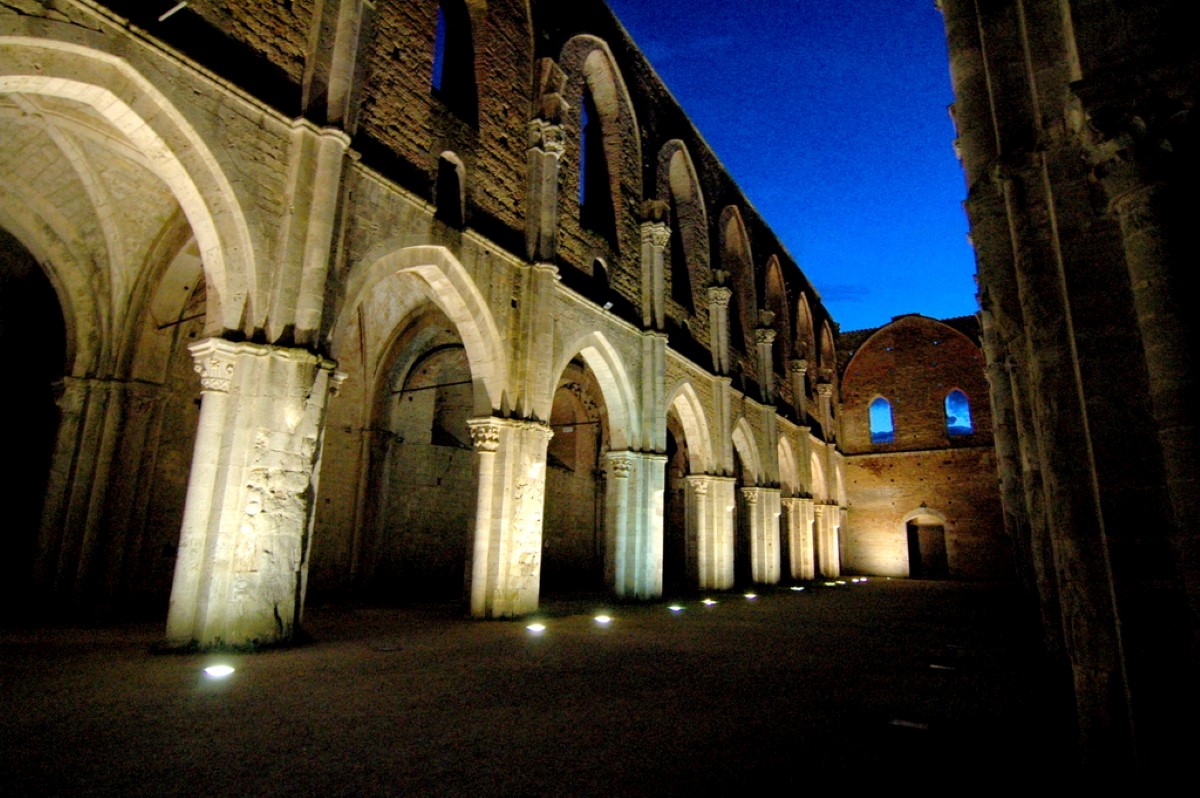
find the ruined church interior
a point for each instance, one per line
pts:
(375, 302)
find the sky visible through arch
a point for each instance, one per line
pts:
(832, 117)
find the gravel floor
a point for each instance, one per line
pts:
(900, 682)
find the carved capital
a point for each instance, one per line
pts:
(485, 433)
(825, 390)
(764, 335)
(215, 360)
(621, 466)
(547, 136)
(750, 495)
(656, 234)
(719, 296)
(700, 487)
(799, 367)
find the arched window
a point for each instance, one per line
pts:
(453, 79)
(595, 190)
(958, 413)
(880, 415)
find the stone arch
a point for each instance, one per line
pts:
(84, 316)
(820, 486)
(592, 72)
(828, 352)
(143, 117)
(806, 338)
(678, 185)
(747, 449)
(687, 405)
(926, 532)
(789, 474)
(776, 301)
(443, 280)
(738, 262)
(605, 363)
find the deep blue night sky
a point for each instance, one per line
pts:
(832, 118)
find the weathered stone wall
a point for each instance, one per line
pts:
(958, 484)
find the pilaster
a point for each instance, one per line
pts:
(718, 322)
(655, 235)
(764, 340)
(547, 140)
(305, 242)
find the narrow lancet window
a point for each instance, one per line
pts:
(595, 193)
(439, 50)
(880, 415)
(958, 413)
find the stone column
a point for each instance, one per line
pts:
(655, 235)
(652, 429)
(81, 539)
(799, 526)
(763, 505)
(764, 340)
(243, 551)
(827, 517)
(506, 558)
(634, 520)
(718, 323)
(799, 371)
(1161, 303)
(546, 143)
(711, 508)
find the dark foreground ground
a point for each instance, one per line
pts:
(904, 683)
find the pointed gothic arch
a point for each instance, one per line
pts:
(439, 276)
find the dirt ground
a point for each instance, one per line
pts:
(888, 682)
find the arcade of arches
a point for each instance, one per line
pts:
(279, 344)
(215, 219)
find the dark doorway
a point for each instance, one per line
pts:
(33, 336)
(927, 551)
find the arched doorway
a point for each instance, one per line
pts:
(677, 580)
(573, 533)
(33, 336)
(422, 466)
(925, 535)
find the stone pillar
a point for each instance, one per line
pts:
(799, 526)
(85, 519)
(764, 340)
(718, 323)
(710, 512)
(799, 372)
(763, 505)
(655, 236)
(243, 551)
(505, 566)
(314, 189)
(828, 519)
(532, 347)
(723, 424)
(1161, 303)
(652, 430)
(546, 143)
(634, 520)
